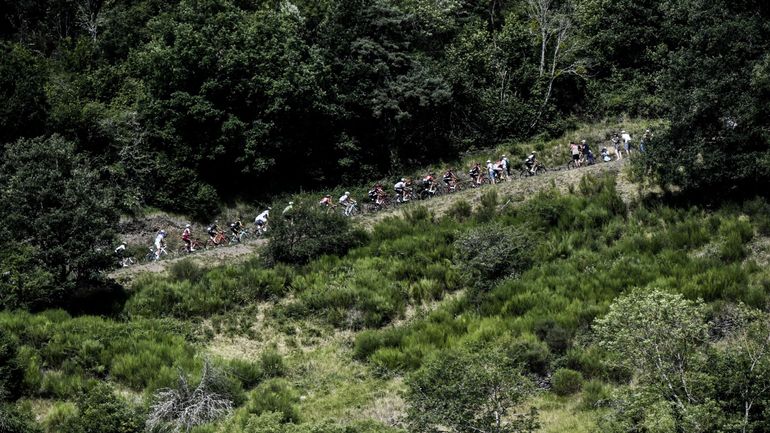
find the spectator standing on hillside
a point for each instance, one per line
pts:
(506, 165)
(645, 139)
(491, 171)
(626, 137)
(575, 151)
(616, 144)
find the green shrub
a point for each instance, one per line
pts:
(489, 253)
(531, 352)
(566, 382)
(14, 419)
(595, 394)
(488, 209)
(101, 411)
(272, 364)
(60, 416)
(275, 395)
(461, 210)
(11, 373)
(247, 372)
(186, 270)
(310, 233)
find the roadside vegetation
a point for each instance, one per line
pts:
(546, 287)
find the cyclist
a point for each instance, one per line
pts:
(348, 202)
(531, 162)
(287, 211)
(429, 183)
(377, 194)
(587, 152)
(160, 243)
(261, 220)
(186, 237)
(450, 179)
(475, 173)
(212, 230)
(236, 228)
(326, 201)
(120, 253)
(401, 188)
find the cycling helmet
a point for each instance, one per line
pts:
(291, 203)
(163, 232)
(503, 156)
(187, 226)
(582, 141)
(269, 208)
(347, 193)
(489, 160)
(403, 179)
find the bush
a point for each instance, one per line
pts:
(272, 364)
(11, 374)
(489, 253)
(275, 395)
(101, 411)
(461, 210)
(566, 382)
(16, 420)
(595, 394)
(310, 233)
(186, 270)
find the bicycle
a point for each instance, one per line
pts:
(538, 169)
(261, 229)
(220, 240)
(351, 210)
(126, 262)
(152, 256)
(195, 244)
(240, 236)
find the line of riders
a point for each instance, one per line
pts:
(496, 172)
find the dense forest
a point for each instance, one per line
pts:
(113, 107)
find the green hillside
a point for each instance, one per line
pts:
(630, 295)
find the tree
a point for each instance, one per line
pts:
(57, 212)
(464, 391)
(24, 109)
(660, 336)
(716, 86)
